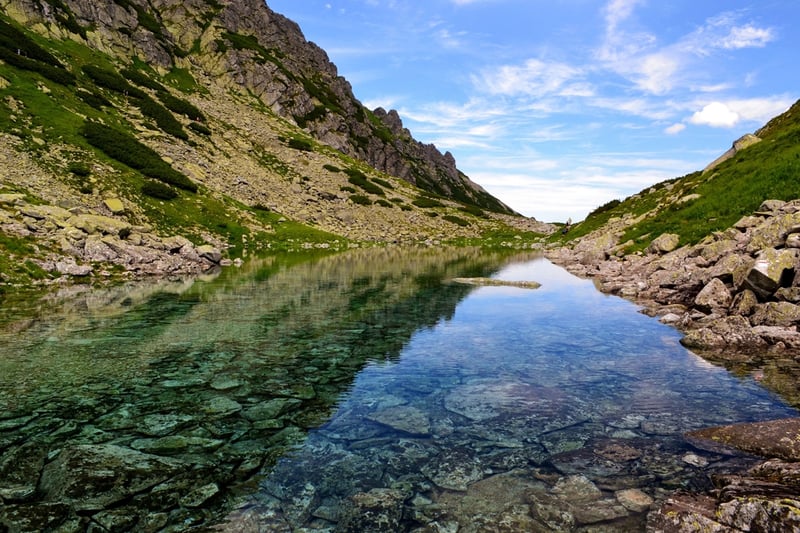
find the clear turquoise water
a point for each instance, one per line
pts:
(290, 389)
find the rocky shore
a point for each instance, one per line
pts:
(735, 297)
(74, 242)
(736, 293)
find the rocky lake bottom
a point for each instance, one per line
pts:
(362, 391)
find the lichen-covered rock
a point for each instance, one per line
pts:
(715, 295)
(732, 331)
(776, 314)
(774, 438)
(771, 270)
(99, 224)
(664, 243)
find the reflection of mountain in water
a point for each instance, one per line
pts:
(179, 386)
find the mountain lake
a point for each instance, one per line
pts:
(362, 391)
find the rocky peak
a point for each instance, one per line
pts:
(243, 45)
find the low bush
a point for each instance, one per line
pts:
(473, 210)
(383, 203)
(158, 190)
(332, 168)
(181, 106)
(456, 220)
(141, 79)
(383, 183)
(359, 179)
(360, 199)
(79, 168)
(126, 149)
(111, 80)
(427, 203)
(165, 120)
(93, 99)
(19, 44)
(56, 74)
(199, 128)
(300, 144)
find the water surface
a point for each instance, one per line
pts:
(322, 393)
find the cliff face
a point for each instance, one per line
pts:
(242, 45)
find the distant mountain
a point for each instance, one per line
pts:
(210, 120)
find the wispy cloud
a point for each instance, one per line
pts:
(535, 77)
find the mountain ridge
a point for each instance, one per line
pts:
(213, 121)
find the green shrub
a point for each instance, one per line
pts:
(359, 179)
(141, 79)
(345, 188)
(608, 206)
(181, 106)
(300, 144)
(19, 44)
(199, 128)
(427, 203)
(56, 74)
(155, 189)
(473, 210)
(126, 149)
(93, 99)
(360, 199)
(456, 220)
(383, 203)
(79, 168)
(164, 119)
(332, 168)
(111, 80)
(383, 183)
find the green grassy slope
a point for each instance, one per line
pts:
(700, 203)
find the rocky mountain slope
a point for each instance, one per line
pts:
(215, 122)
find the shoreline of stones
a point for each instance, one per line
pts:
(736, 298)
(84, 243)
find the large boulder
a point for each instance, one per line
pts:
(731, 331)
(772, 270)
(95, 477)
(715, 295)
(776, 314)
(664, 243)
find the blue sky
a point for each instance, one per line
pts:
(557, 107)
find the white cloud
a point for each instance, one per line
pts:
(675, 129)
(716, 115)
(747, 37)
(535, 78)
(731, 112)
(760, 109)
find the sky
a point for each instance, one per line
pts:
(557, 107)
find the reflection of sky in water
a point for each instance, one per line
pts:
(549, 369)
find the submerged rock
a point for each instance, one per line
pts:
(92, 477)
(497, 282)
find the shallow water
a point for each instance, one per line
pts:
(331, 392)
